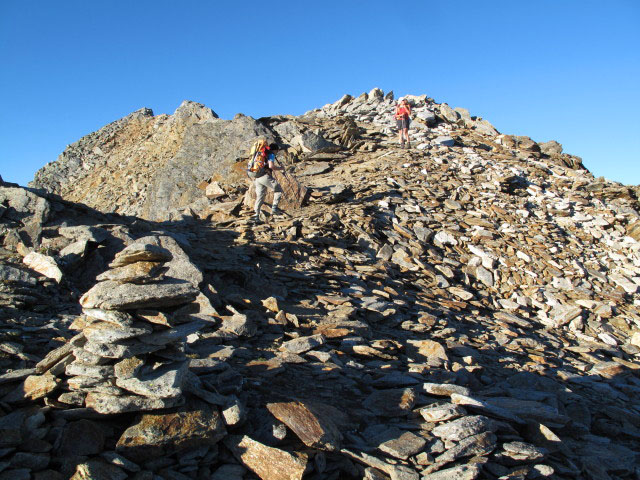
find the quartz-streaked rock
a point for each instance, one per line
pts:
(43, 264)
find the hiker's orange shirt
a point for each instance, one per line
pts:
(403, 111)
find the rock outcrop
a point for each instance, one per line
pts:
(463, 309)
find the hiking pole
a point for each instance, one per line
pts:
(284, 170)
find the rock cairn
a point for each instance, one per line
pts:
(128, 358)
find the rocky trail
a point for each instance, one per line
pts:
(464, 309)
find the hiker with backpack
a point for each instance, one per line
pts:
(262, 164)
(403, 120)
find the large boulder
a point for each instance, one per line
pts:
(25, 212)
(448, 113)
(551, 147)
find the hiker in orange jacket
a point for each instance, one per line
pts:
(403, 120)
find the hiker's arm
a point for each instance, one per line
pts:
(274, 166)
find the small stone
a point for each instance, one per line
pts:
(98, 470)
(34, 387)
(464, 427)
(442, 412)
(141, 252)
(405, 446)
(43, 264)
(302, 344)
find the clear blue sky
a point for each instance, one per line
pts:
(567, 70)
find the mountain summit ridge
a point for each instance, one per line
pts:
(146, 165)
(466, 308)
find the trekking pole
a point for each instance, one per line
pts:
(284, 170)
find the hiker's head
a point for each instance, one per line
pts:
(274, 147)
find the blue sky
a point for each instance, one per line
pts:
(566, 70)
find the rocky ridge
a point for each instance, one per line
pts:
(464, 309)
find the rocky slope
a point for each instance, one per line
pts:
(464, 309)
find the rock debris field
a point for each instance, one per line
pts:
(463, 309)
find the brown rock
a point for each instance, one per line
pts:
(137, 272)
(267, 462)
(98, 470)
(34, 387)
(159, 435)
(314, 430)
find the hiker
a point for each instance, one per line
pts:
(403, 120)
(263, 179)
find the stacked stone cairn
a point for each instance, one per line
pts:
(130, 354)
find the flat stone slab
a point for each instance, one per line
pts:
(110, 295)
(17, 375)
(156, 435)
(303, 344)
(268, 463)
(105, 332)
(33, 387)
(442, 412)
(405, 446)
(112, 404)
(315, 430)
(140, 251)
(163, 381)
(464, 427)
